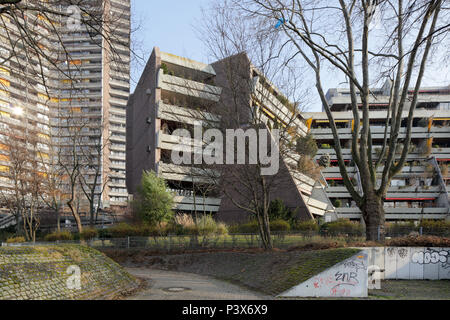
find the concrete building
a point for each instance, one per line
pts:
(87, 88)
(95, 98)
(172, 93)
(420, 191)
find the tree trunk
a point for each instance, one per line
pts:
(264, 230)
(373, 214)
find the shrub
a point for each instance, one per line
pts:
(104, 233)
(419, 241)
(279, 226)
(400, 228)
(309, 225)
(247, 227)
(337, 203)
(88, 233)
(62, 235)
(341, 227)
(164, 68)
(437, 227)
(184, 220)
(206, 225)
(153, 203)
(252, 227)
(123, 230)
(15, 240)
(278, 211)
(307, 146)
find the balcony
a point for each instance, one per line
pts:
(188, 87)
(278, 109)
(398, 213)
(184, 115)
(198, 203)
(185, 173)
(187, 63)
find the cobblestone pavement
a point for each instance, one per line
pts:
(169, 285)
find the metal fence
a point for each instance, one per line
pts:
(180, 243)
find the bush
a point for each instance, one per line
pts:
(400, 228)
(206, 225)
(88, 233)
(15, 240)
(341, 227)
(337, 203)
(153, 202)
(278, 211)
(419, 241)
(307, 146)
(310, 225)
(104, 233)
(62, 235)
(437, 227)
(252, 227)
(279, 226)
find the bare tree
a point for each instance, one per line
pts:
(22, 196)
(246, 81)
(340, 35)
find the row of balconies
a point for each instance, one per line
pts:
(188, 87)
(279, 110)
(183, 115)
(398, 213)
(378, 133)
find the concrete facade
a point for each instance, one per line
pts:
(173, 93)
(420, 191)
(39, 99)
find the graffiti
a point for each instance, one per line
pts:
(355, 264)
(341, 290)
(432, 256)
(403, 253)
(346, 277)
(391, 251)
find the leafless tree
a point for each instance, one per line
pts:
(341, 35)
(229, 38)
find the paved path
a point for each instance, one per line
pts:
(169, 285)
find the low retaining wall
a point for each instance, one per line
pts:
(410, 263)
(51, 272)
(350, 277)
(345, 279)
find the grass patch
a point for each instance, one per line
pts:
(307, 265)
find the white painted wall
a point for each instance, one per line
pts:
(345, 279)
(411, 263)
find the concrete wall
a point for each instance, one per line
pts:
(141, 136)
(345, 279)
(411, 263)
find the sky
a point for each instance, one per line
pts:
(170, 25)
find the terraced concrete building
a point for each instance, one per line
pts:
(420, 191)
(175, 92)
(85, 90)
